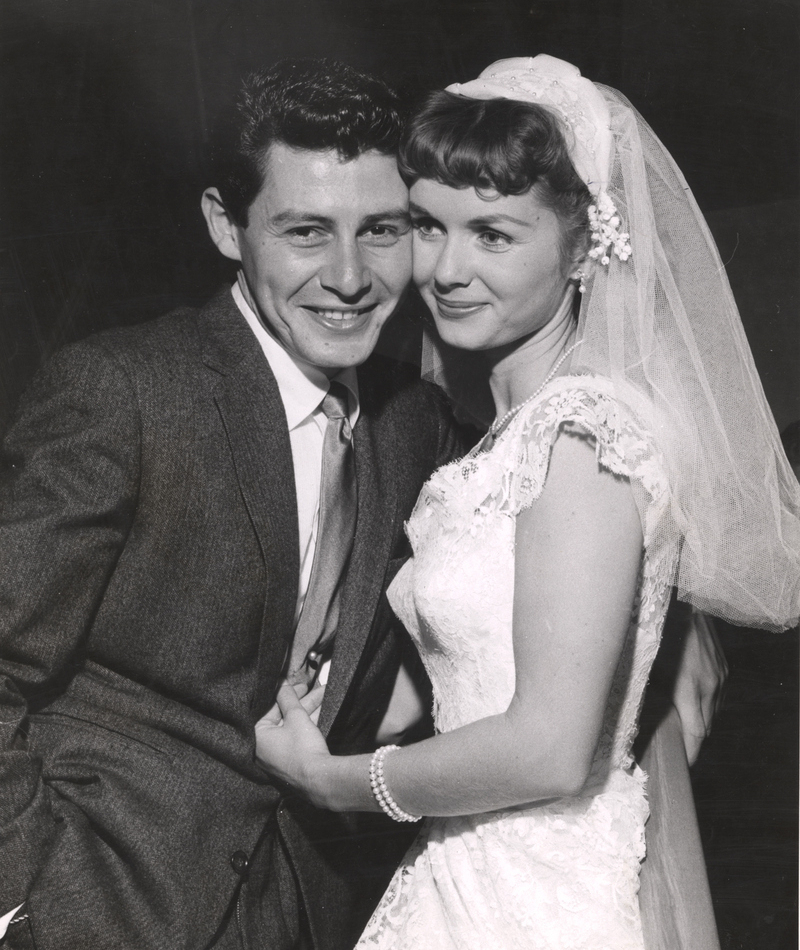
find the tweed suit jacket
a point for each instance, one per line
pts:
(148, 577)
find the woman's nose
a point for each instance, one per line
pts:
(453, 266)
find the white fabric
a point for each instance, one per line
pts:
(665, 322)
(5, 920)
(562, 874)
(302, 388)
(560, 86)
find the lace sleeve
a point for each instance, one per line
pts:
(624, 445)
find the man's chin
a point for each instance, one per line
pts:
(334, 352)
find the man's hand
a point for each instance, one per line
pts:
(691, 669)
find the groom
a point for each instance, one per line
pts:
(164, 491)
(192, 509)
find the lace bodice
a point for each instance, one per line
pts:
(575, 860)
(456, 595)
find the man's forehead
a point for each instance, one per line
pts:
(309, 182)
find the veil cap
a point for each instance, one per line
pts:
(558, 86)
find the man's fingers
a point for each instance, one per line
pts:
(693, 745)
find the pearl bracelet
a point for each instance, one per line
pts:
(379, 789)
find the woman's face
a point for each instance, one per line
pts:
(489, 268)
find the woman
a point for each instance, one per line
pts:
(631, 450)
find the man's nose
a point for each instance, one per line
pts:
(346, 272)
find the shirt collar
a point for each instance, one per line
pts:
(301, 385)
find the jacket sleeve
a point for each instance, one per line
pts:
(68, 480)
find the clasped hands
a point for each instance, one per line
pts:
(288, 742)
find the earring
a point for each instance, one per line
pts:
(581, 278)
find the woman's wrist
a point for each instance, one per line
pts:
(340, 783)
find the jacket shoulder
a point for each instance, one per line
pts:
(386, 383)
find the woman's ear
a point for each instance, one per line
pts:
(224, 232)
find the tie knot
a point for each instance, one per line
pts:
(334, 405)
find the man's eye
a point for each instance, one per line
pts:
(381, 235)
(306, 235)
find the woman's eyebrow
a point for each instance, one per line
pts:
(486, 221)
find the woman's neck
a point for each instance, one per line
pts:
(519, 370)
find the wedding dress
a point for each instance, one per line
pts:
(559, 875)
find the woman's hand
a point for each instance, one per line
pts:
(288, 743)
(310, 700)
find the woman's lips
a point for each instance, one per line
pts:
(458, 308)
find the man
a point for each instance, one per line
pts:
(159, 519)
(180, 528)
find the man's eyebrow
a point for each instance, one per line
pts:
(418, 209)
(292, 216)
(391, 214)
(300, 217)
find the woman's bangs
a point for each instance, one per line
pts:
(464, 155)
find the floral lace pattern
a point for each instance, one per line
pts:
(561, 875)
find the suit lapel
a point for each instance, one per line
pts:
(249, 403)
(377, 503)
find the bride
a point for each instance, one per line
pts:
(565, 261)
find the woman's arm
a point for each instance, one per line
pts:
(578, 551)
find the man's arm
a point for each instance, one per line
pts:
(691, 671)
(67, 488)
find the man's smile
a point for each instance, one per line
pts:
(341, 317)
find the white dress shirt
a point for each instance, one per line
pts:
(302, 388)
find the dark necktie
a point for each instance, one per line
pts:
(337, 520)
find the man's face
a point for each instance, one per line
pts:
(326, 252)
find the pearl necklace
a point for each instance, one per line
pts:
(498, 424)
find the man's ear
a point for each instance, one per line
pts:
(224, 233)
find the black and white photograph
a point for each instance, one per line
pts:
(399, 474)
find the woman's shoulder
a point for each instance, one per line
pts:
(616, 415)
(618, 420)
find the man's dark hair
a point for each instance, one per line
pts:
(316, 104)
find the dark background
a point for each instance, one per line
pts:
(106, 111)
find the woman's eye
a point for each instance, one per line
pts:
(428, 230)
(494, 239)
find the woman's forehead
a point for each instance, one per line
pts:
(470, 204)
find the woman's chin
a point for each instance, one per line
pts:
(459, 337)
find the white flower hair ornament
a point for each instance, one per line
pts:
(559, 86)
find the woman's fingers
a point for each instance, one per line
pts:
(287, 700)
(313, 700)
(272, 717)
